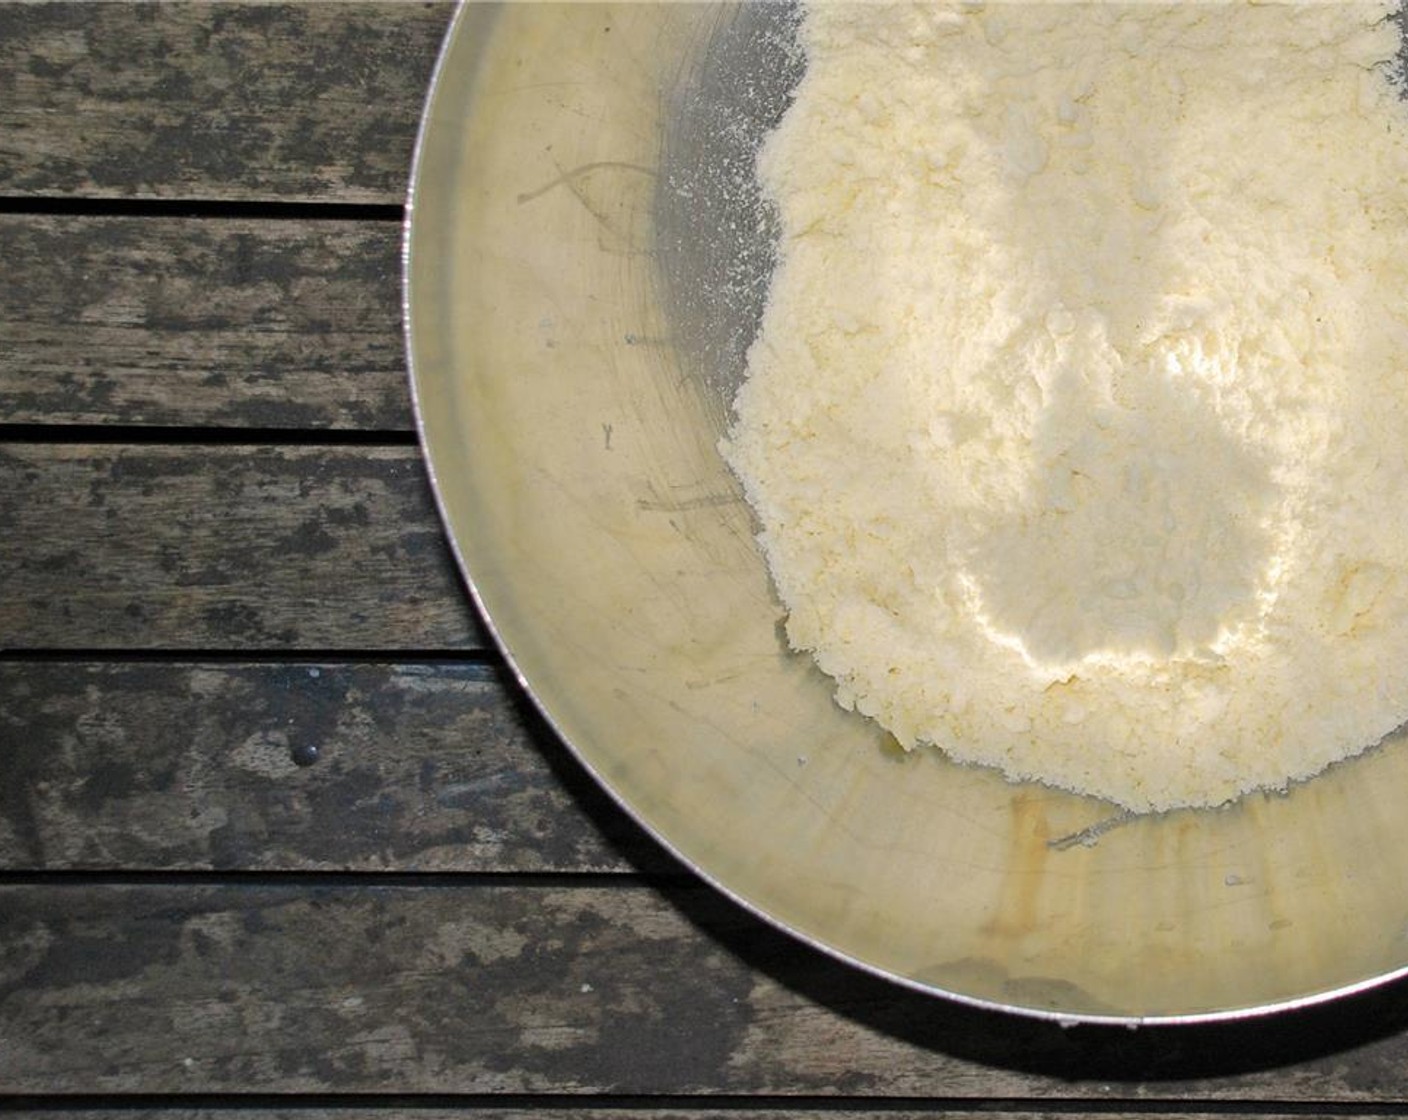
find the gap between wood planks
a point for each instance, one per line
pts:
(170, 435)
(356, 881)
(193, 658)
(214, 209)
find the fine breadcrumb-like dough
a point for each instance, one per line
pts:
(1076, 422)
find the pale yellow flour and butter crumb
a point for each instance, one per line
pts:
(1077, 423)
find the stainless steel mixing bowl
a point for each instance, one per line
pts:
(584, 269)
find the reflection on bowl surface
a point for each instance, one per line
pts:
(585, 270)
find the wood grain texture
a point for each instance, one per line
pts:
(201, 322)
(225, 548)
(309, 987)
(174, 916)
(293, 767)
(214, 101)
(996, 1110)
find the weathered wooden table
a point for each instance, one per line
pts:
(277, 834)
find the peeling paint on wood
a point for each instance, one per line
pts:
(160, 767)
(575, 991)
(214, 101)
(216, 547)
(229, 323)
(541, 996)
(494, 989)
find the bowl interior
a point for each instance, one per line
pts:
(585, 269)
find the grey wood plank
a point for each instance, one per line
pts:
(225, 548)
(576, 990)
(702, 1111)
(214, 101)
(201, 322)
(298, 766)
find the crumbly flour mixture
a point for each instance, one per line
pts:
(1077, 423)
